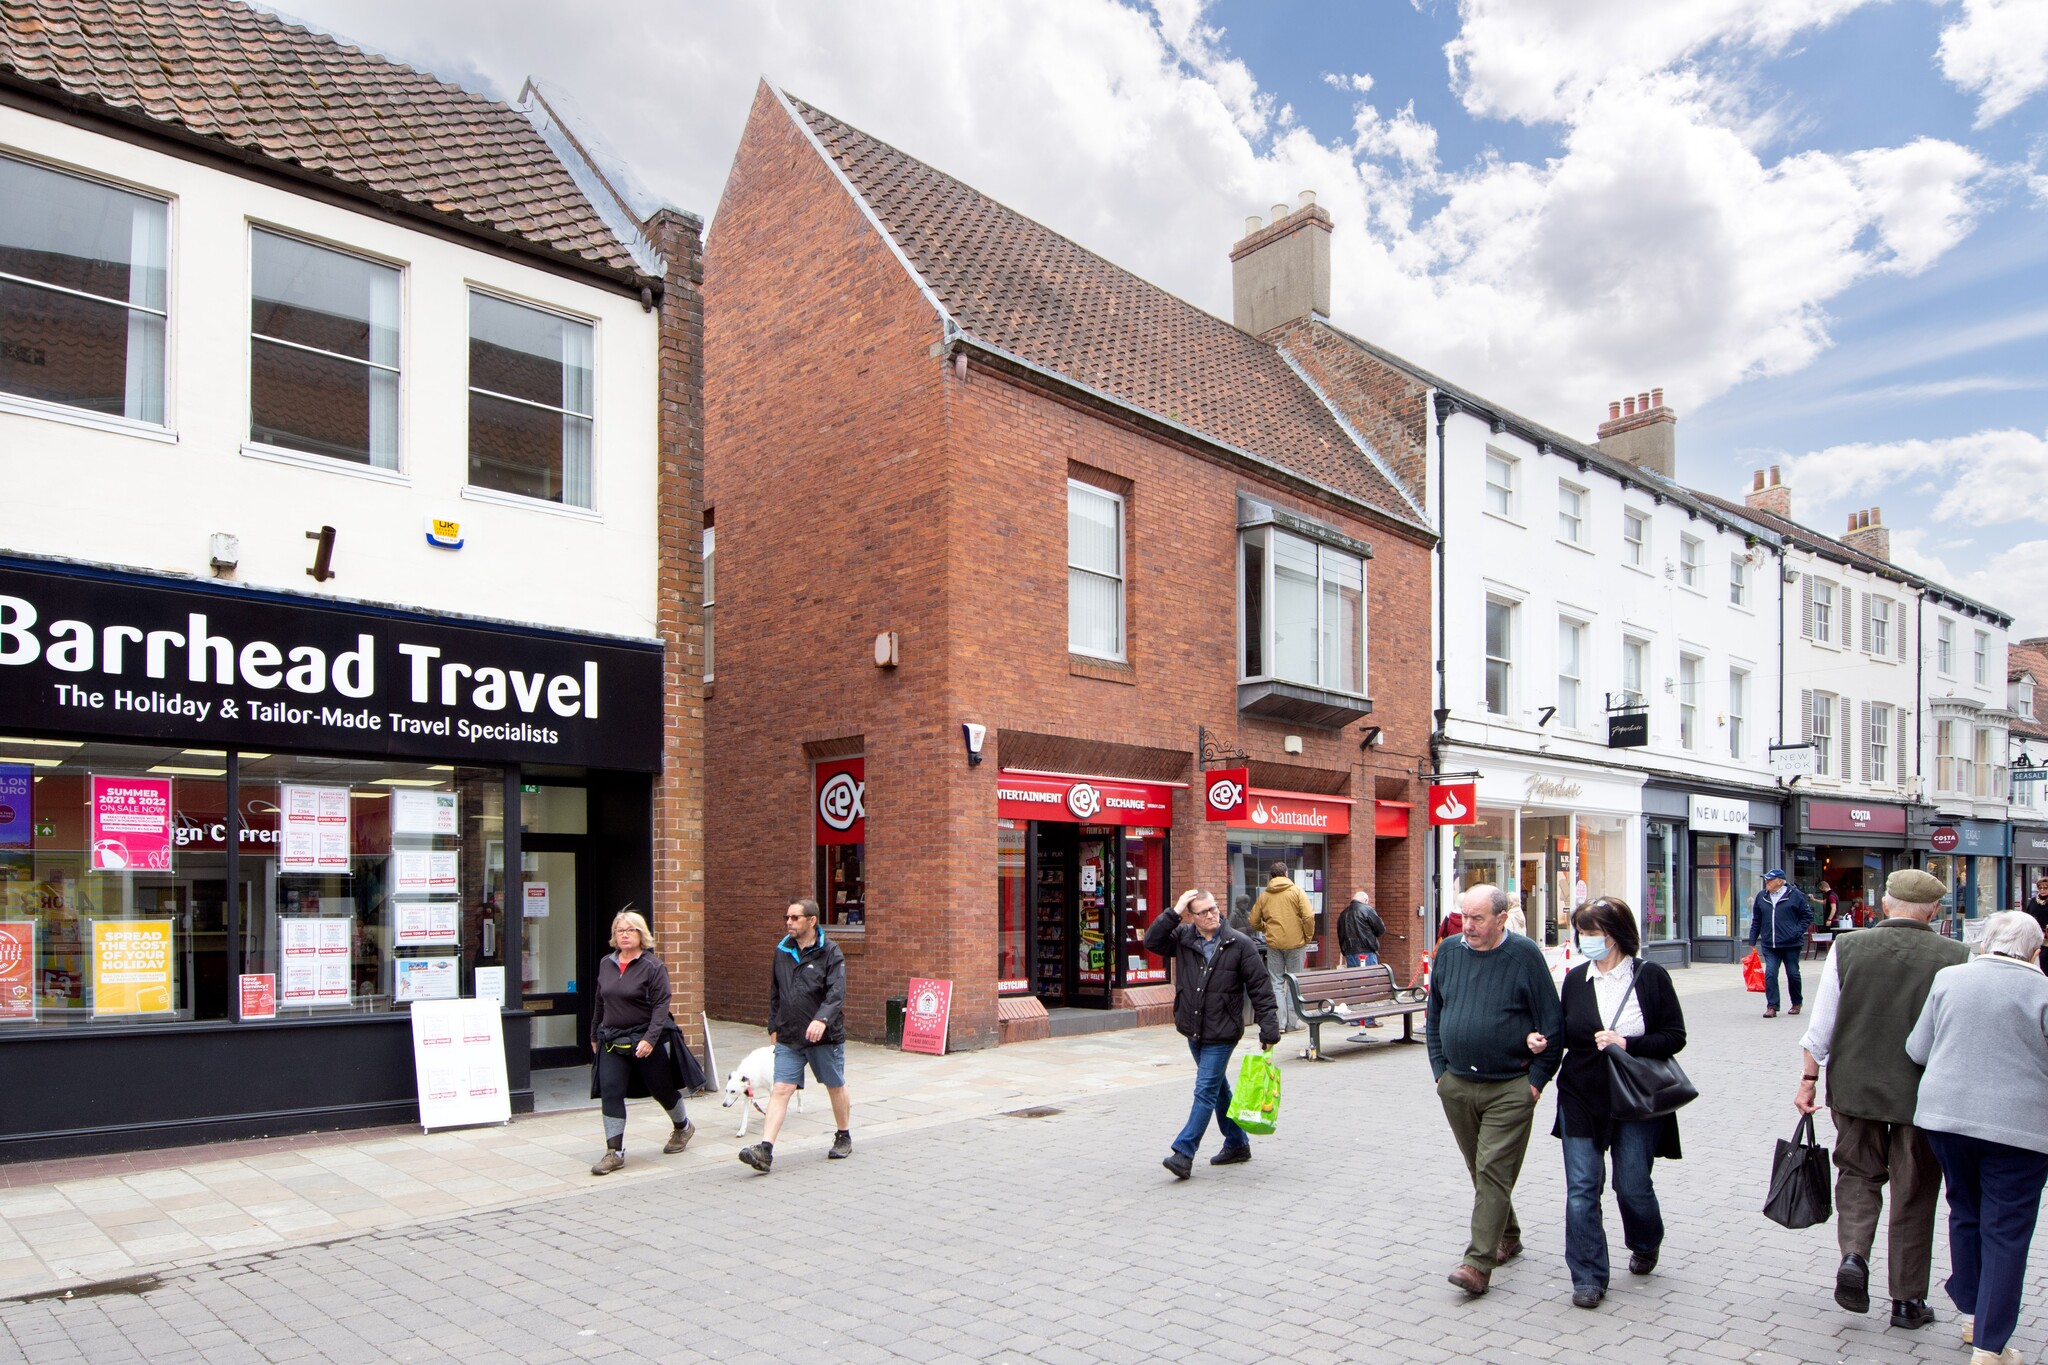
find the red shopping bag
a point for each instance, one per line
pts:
(1753, 970)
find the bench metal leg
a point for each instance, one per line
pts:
(1408, 1027)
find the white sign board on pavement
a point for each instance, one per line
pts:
(458, 1058)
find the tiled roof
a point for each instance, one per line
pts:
(247, 78)
(1016, 285)
(2031, 657)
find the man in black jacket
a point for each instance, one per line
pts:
(1214, 968)
(807, 1020)
(1359, 930)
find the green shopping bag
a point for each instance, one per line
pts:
(1255, 1099)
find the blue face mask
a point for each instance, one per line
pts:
(1593, 947)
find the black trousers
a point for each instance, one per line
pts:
(615, 1068)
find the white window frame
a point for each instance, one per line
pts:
(1506, 661)
(1821, 718)
(1823, 612)
(710, 594)
(1738, 709)
(1689, 701)
(1987, 773)
(1881, 624)
(1945, 646)
(1951, 769)
(1982, 658)
(1689, 561)
(484, 493)
(1506, 492)
(1121, 623)
(1572, 684)
(1635, 550)
(1571, 525)
(1880, 746)
(1264, 533)
(1636, 646)
(1738, 581)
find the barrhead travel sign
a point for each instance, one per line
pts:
(134, 657)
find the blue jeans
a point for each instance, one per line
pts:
(1642, 1222)
(1361, 959)
(1994, 1196)
(1212, 1096)
(1789, 957)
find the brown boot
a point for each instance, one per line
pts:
(1471, 1279)
(680, 1138)
(1506, 1251)
(609, 1162)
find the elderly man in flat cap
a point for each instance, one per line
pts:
(1870, 997)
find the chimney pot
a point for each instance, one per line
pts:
(1613, 410)
(1308, 199)
(1775, 479)
(1656, 398)
(1876, 517)
(1279, 212)
(1756, 482)
(1253, 224)
(1643, 402)
(1628, 407)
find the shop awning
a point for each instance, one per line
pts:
(1390, 819)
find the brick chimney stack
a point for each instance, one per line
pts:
(1280, 273)
(1642, 431)
(1868, 533)
(1769, 493)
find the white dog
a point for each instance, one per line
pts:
(749, 1084)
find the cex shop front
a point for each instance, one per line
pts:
(1083, 865)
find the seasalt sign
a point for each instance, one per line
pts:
(138, 657)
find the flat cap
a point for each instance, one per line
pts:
(1914, 887)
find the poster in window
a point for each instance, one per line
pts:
(313, 829)
(424, 978)
(131, 966)
(425, 812)
(427, 923)
(258, 996)
(425, 872)
(131, 824)
(316, 959)
(17, 803)
(17, 970)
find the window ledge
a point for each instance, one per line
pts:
(1508, 521)
(1637, 568)
(1578, 545)
(1103, 670)
(558, 509)
(79, 417)
(326, 464)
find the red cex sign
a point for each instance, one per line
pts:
(1226, 793)
(1083, 800)
(1454, 803)
(839, 800)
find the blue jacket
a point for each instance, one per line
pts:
(1783, 925)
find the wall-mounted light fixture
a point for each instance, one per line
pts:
(1291, 744)
(224, 552)
(1372, 737)
(974, 735)
(886, 650)
(323, 555)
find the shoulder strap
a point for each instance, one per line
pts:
(1635, 975)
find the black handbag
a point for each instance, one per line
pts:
(1799, 1196)
(1642, 1088)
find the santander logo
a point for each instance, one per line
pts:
(1259, 815)
(1451, 808)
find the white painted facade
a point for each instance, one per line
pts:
(1608, 579)
(111, 491)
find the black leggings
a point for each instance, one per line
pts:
(613, 1070)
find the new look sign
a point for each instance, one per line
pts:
(147, 659)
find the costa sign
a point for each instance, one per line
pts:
(1226, 793)
(1295, 812)
(1843, 817)
(840, 795)
(1944, 839)
(1454, 803)
(1083, 800)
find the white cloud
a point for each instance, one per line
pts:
(2014, 580)
(1987, 478)
(1998, 51)
(1661, 244)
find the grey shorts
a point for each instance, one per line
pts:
(827, 1062)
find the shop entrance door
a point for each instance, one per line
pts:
(562, 948)
(1077, 919)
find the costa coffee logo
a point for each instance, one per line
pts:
(840, 801)
(1945, 838)
(1083, 800)
(1225, 794)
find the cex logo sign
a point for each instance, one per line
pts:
(1225, 793)
(1084, 801)
(1454, 803)
(839, 801)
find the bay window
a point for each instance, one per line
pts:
(1304, 611)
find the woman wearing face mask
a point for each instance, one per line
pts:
(1612, 999)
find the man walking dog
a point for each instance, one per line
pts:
(1214, 968)
(807, 1020)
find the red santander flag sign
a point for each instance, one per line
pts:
(1226, 792)
(1454, 803)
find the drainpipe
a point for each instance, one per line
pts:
(1433, 853)
(1919, 676)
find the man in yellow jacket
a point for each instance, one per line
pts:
(1283, 914)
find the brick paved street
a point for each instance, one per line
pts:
(1057, 1239)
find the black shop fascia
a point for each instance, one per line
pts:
(292, 954)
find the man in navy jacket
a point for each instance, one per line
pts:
(1778, 921)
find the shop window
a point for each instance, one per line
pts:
(1500, 485)
(1635, 537)
(1013, 909)
(1144, 888)
(375, 882)
(1095, 572)
(1660, 882)
(1727, 872)
(1304, 611)
(323, 377)
(1571, 514)
(1738, 712)
(1571, 649)
(1500, 655)
(532, 401)
(1689, 701)
(1738, 580)
(83, 304)
(1689, 552)
(710, 594)
(839, 811)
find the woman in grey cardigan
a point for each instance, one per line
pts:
(1983, 1037)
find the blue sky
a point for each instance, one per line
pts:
(1820, 225)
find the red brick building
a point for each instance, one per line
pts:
(970, 483)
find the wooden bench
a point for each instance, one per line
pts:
(1346, 995)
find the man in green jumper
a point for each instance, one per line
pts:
(1489, 992)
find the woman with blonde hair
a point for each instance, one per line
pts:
(1983, 1104)
(636, 1046)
